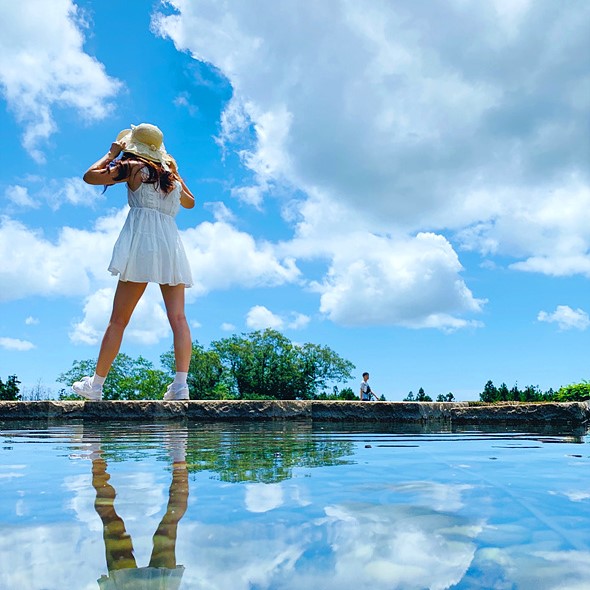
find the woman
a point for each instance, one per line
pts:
(148, 249)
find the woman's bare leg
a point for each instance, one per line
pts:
(126, 297)
(174, 302)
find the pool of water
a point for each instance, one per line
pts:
(289, 506)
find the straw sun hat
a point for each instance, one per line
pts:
(146, 141)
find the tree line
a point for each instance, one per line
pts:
(257, 365)
(531, 393)
(260, 365)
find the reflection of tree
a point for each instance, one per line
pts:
(265, 454)
(234, 452)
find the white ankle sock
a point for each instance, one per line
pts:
(180, 379)
(97, 381)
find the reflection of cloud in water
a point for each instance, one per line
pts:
(574, 495)
(437, 496)
(389, 547)
(242, 555)
(528, 568)
(261, 497)
(61, 555)
(354, 546)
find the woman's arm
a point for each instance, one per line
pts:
(100, 173)
(187, 199)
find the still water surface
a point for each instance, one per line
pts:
(287, 506)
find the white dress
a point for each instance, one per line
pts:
(149, 248)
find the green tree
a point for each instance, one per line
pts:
(346, 394)
(128, 379)
(489, 393)
(265, 364)
(205, 375)
(503, 393)
(409, 397)
(9, 391)
(421, 396)
(576, 392)
(445, 398)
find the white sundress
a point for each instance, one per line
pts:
(149, 248)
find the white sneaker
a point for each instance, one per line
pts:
(176, 392)
(85, 389)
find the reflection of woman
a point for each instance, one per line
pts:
(149, 248)
(162, 572)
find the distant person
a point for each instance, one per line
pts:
(366, 393)
(148, 250)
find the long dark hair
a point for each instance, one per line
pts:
(163, 179)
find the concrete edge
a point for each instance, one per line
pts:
(575, 413)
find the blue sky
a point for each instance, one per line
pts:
(405, 182)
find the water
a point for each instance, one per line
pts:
(288, 506)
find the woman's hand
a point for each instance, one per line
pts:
(116, 149)
(100, 172)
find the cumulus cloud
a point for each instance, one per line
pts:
(75, 263)
(31, 321)
(15, 344)
(68, 266)
(43, 67)
(227, 327)
(411, 113)
(566, 318)
(260, 317)
(148, 324)
(414, 283)
(548, 229)
(405, 120)
(73, 191)
(54, 192)
(221, 257)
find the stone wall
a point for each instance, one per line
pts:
(575, 413)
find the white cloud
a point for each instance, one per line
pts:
(31, 321)
(68, 266)
(549, 229)
(148, 324)
(183, 101)
(15, 344)
(297, 320)
(75, 263)
(566, 318)
(74, 191)
(227, 327)
(54, 192)
(222, 257)
(260, 317)
(43, 67)
(220, 211)
(414, 282)
(19, 195)
(407, 118)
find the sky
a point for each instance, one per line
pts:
(404, 181)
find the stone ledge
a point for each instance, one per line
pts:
(575, 413)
